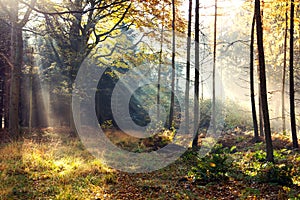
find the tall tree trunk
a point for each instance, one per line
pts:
(16, 55)
(173, 66)
(254, 118)
(196, 87)
(6, 88)
(292, 89)
(188, 68)
(214, 69)
(284, 71)
(263, 85)
(17, 62)
(160, 65)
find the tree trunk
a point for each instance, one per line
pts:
(214, 70)
(17, 60)
(261, 120)
(263, 85)
(292, 89)
(30, 99)
(284, 72)
(254, 118)
(173, 66)
(188, 68)
(196, 87)
(159, 66)
(6, 97)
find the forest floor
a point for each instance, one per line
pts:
(50, 165)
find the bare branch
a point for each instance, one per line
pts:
(27, 14)
(6, 59)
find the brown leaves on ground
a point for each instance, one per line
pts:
(92, 181)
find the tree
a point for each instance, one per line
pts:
(77, 30)
(284, 70)
(171, 117)
(5, 68)
(263, 86)
(254, 118)
(196, 87)
(16, 41)
(291, 68)
(214, 69)
(188, 67)
(160, 65)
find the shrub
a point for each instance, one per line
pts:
(278, 174)
(214, 166)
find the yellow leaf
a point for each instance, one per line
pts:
(212, 164)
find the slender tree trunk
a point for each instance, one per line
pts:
(159, 67)
(284, 72)
(196, 87)
(292, 87)
(214, 69)
(261, 120)
(262, 133)
(254, 118)
(173, 66)
(188, 68)
(263, 86)
(30, 98)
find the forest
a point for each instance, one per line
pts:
(149, 99)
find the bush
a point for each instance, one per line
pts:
(213, 167)
(278, 174)
(258, 170)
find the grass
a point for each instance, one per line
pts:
(56, 166)
(53, 169)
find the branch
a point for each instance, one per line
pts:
(7, 60)
(74, 11)
(229, 44)
(120, 20)
(27, 14)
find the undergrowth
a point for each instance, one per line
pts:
(50, 170)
